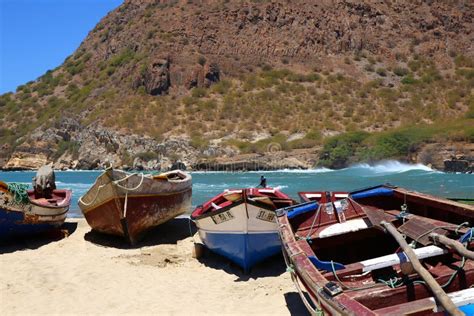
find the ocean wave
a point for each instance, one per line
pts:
(391, 166)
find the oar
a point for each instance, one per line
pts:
(376, 217)
(453, 244)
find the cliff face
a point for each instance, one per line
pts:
(160, 81)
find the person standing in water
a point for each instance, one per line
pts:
(263, 182)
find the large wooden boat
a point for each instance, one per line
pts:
(129, 204)
(23, 212)
(240, 224)
(352, 258)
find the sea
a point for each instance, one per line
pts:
(207, 184)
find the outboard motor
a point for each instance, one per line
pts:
(44, 182)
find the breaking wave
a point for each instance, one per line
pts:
(391, 166)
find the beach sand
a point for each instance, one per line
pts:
(90, 273)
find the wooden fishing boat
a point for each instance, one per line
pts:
(129, 204)
(352, 256)
(24, 212)
(321, 196)
(240, 224)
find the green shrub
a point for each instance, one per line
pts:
(339, 150)
(148, 155)
(199, 93)
(198, 142)
(464, 61)
(381, 72)
(409, 80)
(123, 58)
(222, 87)
(65, 146)
(201, 60)
(400, 71)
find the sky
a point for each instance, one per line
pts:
(38, 35)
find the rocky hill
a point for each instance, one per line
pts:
(212, 82)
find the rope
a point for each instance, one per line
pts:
(289, 268)
(19, 192)
(308, 238)
(125, 205)
(116, 182)
(95, 198)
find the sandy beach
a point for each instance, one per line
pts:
(89, 273)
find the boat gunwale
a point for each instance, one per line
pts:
(235, 203)
(66, 200)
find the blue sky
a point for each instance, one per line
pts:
(37, 35)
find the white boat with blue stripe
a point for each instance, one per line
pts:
(240, 224)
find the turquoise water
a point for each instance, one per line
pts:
(207, 184)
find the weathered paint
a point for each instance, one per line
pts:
(30, 218)
(128, 205)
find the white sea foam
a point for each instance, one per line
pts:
(391, 166)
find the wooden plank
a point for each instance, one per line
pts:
(418, 229)
(394, 259)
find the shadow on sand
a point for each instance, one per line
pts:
(167, 233)
(273, 266)
(15, 243)
(295, 305)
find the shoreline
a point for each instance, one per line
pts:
(90, 273)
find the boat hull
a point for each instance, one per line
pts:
(109, 207)
(143, 213)
(29, 218)
(245, 250)
(245, 233)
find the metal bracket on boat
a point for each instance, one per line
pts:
(332, 288)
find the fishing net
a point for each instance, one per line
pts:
(19, 192)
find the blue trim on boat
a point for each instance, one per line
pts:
(467, 236)
(325, 265)
(312, 206)
(381, 191)
(243, 249)
(467, 309)
(12, 223)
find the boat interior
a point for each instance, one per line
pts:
(170, 176)
(345, 241)
(58, 198)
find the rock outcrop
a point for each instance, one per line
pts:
(155, 78)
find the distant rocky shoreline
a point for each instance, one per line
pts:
(458, 164)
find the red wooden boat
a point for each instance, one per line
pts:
(348, 265)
